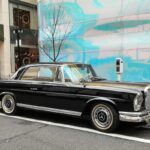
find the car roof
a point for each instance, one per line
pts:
(54, 63)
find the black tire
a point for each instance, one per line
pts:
(104, 117)
(9, 104)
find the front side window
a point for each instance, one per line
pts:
(77, 73)
(47, 73)
(40, 73)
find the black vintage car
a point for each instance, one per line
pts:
(75, 89)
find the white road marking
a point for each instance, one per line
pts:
(125, 137)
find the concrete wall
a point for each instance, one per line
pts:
(5, 63)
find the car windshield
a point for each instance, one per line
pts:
(79, 73)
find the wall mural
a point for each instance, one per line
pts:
(103, 31)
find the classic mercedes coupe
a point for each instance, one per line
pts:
(75, 89)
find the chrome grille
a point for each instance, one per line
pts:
(147, 103)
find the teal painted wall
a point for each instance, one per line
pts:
(103, 30)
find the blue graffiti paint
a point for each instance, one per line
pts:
(97, 3)
(128, 34)
(121, 25)
(82, 23)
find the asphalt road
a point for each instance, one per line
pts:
(31, 130)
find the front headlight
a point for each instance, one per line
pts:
(138, 102)
(147, 90)
(147, 97)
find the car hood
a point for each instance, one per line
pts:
(130, 86)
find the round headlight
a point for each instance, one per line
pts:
(147, 90)
(147, 97)
(138, 102)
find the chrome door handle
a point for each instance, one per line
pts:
(33, 89)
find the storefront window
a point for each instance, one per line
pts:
(25, 56)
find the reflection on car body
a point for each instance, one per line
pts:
(75, 89)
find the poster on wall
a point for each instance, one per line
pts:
(25, 56)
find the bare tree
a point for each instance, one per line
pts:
(55, 31)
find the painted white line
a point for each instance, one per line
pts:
(125, 137)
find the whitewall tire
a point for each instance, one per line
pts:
(104, 117)
(8, 104)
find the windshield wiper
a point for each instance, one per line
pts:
(97, 79)
(91, 78)
(83, 80)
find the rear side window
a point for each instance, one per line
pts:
(31, 74)
(40, 73)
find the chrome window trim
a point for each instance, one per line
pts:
(62, 73)
(48, 109)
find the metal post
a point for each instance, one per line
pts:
(119, 68)
(18, 46)
(119, 77)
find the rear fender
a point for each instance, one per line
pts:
(7, 93)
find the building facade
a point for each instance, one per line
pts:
(103, 31)
(18, 35)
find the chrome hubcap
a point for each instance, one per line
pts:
(8, 104)
(102, 116)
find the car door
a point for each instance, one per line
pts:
(62, 95)
(47, 91)
(45, 88)
(51, 92)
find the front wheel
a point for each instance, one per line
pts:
(8, 105)
(104, 117)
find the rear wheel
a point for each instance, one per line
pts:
(104, 117)
(8, 104)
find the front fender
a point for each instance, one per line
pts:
(89, 104)
(100, 99)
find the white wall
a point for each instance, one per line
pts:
(0, 11)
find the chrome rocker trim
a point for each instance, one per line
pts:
(136, 117)
(47, 109)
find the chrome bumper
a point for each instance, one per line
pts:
(136, 117)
